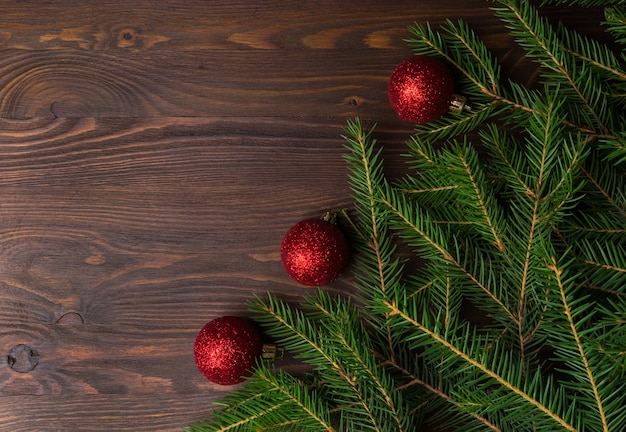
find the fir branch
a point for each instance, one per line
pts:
(425, 234)
(567, 309)
(366, 176)
(604, 263)
(564, 191)
(464, 44)
(517, 97)
(604, 193)
(468, 359)
(298, 395)
(229, 419)
(458, 42)
(617, 147)
(269, 400)
(601, 230)
(592, 52)
(541, 131)
(542, 42)
(477, 196)
(524, 283)
(616, 22)
(354, 340)
(415, 380)
(429, 190)
(323, 344)
(508, 160)
(486, 231)
(458, 45)
(296, 333)
(584, 2)
(365, 179)
(605, 266)
(455, 124)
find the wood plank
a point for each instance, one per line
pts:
(150, 155)
(320, 76)
(167, 152)
(68, 83)
(337, 63)
(242, 24)
(90, 359)
(104, 413)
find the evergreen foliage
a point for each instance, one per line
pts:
(524, 225)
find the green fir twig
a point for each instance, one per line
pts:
(491, 279)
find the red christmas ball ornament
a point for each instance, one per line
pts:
(226, 349)
(421, 89)
(314, 252)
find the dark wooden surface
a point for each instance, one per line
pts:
(152, 156)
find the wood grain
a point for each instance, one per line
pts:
(275, 60)
(152, 156)
(225, 83)
(100, 199)
(105, 412)
(223, 24)
(232, 59)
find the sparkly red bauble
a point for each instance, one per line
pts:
(314, 252)
(226, 349)
(420, 89)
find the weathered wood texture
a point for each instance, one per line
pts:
(152, 156)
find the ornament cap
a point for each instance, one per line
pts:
(330, 217)
(459, 104)
(272, 352)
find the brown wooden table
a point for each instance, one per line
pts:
(152, 156)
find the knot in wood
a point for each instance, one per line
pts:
(353, 101)
(22, 358)
(71, 318)
(126, 37)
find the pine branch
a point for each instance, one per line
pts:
(415, 380)
(270, 400)
(476, 195)
(524, 222)
(417, 227)
(355, 343)
(568, 310)
(542, 43)
(375, 248)
(471, 361)
(616, 22)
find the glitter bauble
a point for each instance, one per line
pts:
(226, 349)
(314, 252)
(420, 89)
